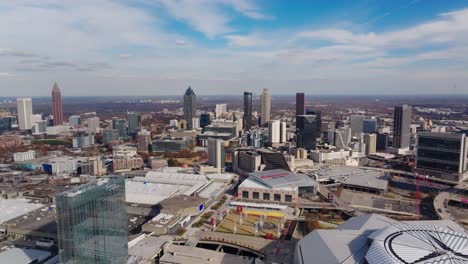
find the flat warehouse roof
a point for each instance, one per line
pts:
(12, 208)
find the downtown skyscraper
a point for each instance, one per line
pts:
(92, 222)
(266, 106)
(247, 111)
(190, 106)
(57, 110)
(401, 126)
(25, 112)
(300, 104)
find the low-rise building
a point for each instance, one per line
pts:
(120, 163)
(9, 141)
(24, 156)
(171, 144)
(276, 186)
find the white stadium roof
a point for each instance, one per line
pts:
(376, 239)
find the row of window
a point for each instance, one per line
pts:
(266, 196)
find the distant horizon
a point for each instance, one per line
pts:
(160, 47)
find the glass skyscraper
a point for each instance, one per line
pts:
(190, 106)
(92, 223)
(247, 111)
(306, 131)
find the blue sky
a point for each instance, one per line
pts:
(159, 47)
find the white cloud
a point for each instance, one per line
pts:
(209, 16)
(6, 74)
(246, 40)
(449, 27)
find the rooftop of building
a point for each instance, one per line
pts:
(357, 176)
(147, 248)
(278, 179)
(183, 254)
(23, 256)
(377, 239)
(13, 208)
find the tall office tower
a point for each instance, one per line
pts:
(342, 137)
(216, 153)
(356, 123)
(133, 123)
(266, 106)
(143, 140)
(74, 120)
(274, 131)
(190, 106)
(122, 126)
(283, 131)
(442, 155)
(371, 143)
(110, 135)
(247, 111)
(306, 131)
(205, 120)
(401, 126)
(300, 104)
(92, 222)
(195, 123)
(317, 113)
(369, 125)
(24, 109)
(382, 142)
(57, 110)
(94, 125)
(221, 110)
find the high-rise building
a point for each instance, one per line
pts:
(371, 143)
(442, 155)
(94, 125)
(306, 126)
(369, 126)
(83, 141)
(57, 110)
(221, 109)
(7, 123)
(216, 153)
(401, 126)
(300, 104)
(92, 223)
(25, 112)
(190, 106)
(205, 120)
(110, 135)
(143, 140)
(74, 120)
(356, 122)
(342, 137)
(247, 111)
(122, 126)
(382, 142)
(266, 106)
(195, 123)
(274, 131)
(283, 131)
(318, 114)
(133, 123)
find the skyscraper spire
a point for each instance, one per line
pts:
(57, 110)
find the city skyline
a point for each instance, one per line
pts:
(396, 47)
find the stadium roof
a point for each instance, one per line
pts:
(376, 239)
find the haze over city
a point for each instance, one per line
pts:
(159, 47)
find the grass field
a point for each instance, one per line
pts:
(248, 225)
